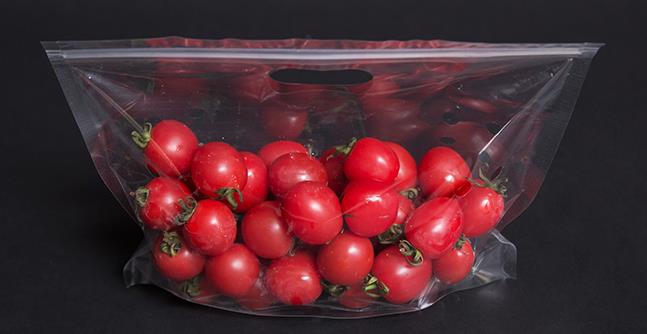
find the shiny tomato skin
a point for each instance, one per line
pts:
(233, 272)
(404, 281)
(441, 172)
(265, 232)
(211, 229)
(333, 162)
(313, 212)
(405, 208)
(273, 150)
(217, 165)
(454, 266)
(258, 297)
(355, 297)
(171, 148)
(346, 260)
(435, 226)
(293, 168)
(408, 172)
(256, 188)
(184, 265)
(284, 121)
(294, 280)
(371, 159)
(161, 207)
(482, 209)
(369, 207)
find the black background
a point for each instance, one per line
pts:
(64, 239)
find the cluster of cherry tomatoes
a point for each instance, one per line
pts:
(362, 221)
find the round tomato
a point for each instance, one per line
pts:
(482, 209)
(434, 227)
(250, 88)
(273, 150)
(219, 170)
(407, 173)
(158, 202)
(234, 272)
(371, 159)
(345, 260)
(401, 282)
(256, 188)
(313, 212)
(284, 121)
(258, 297)
(441, 172)
(355, 297)
(333, 162)
(369, 207)
(264, 231)
(454, 266)
(292, 168)
(210, 227)
(174, 260)
(168, 146)
(294, 280)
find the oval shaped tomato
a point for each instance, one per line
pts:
(158, 202)
(454, 266)
(174, 259)
(369, 207)
(435, 226)
(404, 281)
(313, 212)
(292, 168)
(256, 188)
(333, 162)
(211, 229)
(264, 231)
(233, 272)
(258, 297)
(441, 172)
(408, 172)
(371, 159)
(218, 167)
(273, 150)
(355, 297)
(346, 260)
(482, 209)
(284, 121)
(168, 146)
(294, 280)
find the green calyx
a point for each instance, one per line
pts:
(411, 254)
(374, 288)
(141, 196)
(191, 288)
(188, 206)
(228, 194)
(410, 193)
(497, 184)
(334, 290)
(461, 241)
(171, 243)
(141, 139)
(391, 235)
(343, 149)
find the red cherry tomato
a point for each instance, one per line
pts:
(466, 138)
(234, 272)
(454, 266)
(158, 202)
(251, 88)
(217, 169)
(264, 231)
(292, 168)
(355, 297)
(407, 174)
(168, 146)
(211, 229)
(369, 207)
(198, 289)
(333, 162)
(441, 172)
(294, 280)
(257, 186)
(346, 260)
(435, 226)
(371, 159)
(482, 209)
(313, 212)
(273, 150)
(404, 281)
(405, 208)
(284, 121)
(174, 260)
(258, 297)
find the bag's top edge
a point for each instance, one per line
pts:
(304, 49)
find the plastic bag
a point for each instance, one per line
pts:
(502, 107)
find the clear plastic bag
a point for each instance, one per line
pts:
(503, 107)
